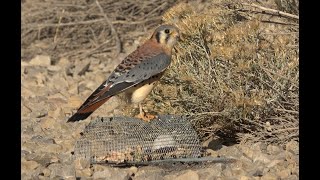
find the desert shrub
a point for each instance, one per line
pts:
(233, 74)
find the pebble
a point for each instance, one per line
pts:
(81, 163)
(40, 60)
(189, 175)
(111, 173)
(29, 165)
(87, 172)
(59, 170)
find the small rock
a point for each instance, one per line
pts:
(227, 172)
(209, 173)
(111, 173)
(73, 89)
(49, 123)
(212, 152)
(284, 173)
(29, 165)
(60, 170)
(248, 152)
(293, 146)
(256, 171)
(67, 144)
(51, 148)
(41, 139)
(82, 87)
(27, 93)
(56, 114)
(65, 158)
(232, 151)
(259, 146)
(76, 134)
(29, 146)
(63, 62)
(91, 85)
(189, 175)
(87, 172)
(41, 60)
(273, 150)
(75, 102)
(237, 171)
(40, 79)
(95, 61)
(99, 78)
(261, 157)
(58, 96)
(46, 172)
(97, 167)
(82, 163)
(149, 173)
(269, 176)
(293, 177)
(53, 69)
(244, 178)
(81, 67)
(273, 163)
(25, 110)
(59, 82)
(132, 171)
(24, 153)
(169, 177)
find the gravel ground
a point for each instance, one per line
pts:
(51, 92)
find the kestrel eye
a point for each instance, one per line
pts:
(167, 31)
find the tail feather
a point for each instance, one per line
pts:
(79, 116)
(86, 110)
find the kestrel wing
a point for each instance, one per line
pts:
(140, 72)
(119, 81)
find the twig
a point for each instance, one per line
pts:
(279, 13)
(206, 113)
(114, 32)
(87, 22)
(63, 24)
(281, 23)
(57, 29)
(286, 129)
(287, 110)
(277, 74)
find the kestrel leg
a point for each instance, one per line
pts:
(143, 115)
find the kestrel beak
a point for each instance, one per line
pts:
(177, 35)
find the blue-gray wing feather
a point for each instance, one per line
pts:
(143, 71)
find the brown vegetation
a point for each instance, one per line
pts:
(235, 72)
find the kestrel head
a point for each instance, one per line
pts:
(166, 35)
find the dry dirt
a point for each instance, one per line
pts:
(63, 63)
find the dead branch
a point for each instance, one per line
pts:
(277, 12)
(114, 32)
(281, 23)
(36, 25)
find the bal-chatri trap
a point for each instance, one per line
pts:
(130, 141)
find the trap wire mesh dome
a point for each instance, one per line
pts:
(124, 140)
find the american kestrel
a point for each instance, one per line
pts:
(136, 75)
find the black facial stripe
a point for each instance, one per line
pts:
(158, 37)
(167, 38)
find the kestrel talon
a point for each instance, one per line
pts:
(136, 75)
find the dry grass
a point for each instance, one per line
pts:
(78, 29)
(233, 73)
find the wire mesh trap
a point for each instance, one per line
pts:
(124, 140)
